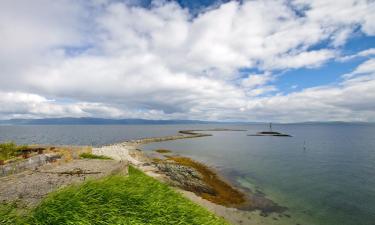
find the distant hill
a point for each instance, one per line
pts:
(96, 121)
(103, 121)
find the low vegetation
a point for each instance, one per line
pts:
(10, 150)
(135, 199)
(163, 151)
(92, 156)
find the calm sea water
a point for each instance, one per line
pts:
(329, 180)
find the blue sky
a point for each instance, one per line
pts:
(259, 60)
(329, 73)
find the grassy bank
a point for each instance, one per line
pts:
(136, 199)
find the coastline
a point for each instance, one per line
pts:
(254, 209)
(194, 180)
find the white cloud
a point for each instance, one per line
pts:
(254, 80)
(261, 90)
(26, 105)
(363, 69)
(365, 53)
(31, 32)
(258, 84)
(353, 99)
(114, 59)
(309, 59)
(340, 15)
(366, 67)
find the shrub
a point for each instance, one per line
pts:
(10, 149)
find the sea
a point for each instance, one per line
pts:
(324, 174)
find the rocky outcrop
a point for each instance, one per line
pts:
(185, 177)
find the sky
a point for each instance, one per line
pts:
(258, 60)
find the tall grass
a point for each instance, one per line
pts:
(136, 199)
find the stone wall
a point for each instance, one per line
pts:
(28, 164)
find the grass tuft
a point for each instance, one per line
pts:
(134, 199)
(10, 150)
(92, 156)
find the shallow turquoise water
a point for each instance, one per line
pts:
(330, 182)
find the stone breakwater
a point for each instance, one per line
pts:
(126, 150)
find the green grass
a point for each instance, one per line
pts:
(9, 214)
(92, 156)
(9, 150)
(136, 199)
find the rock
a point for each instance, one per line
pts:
(185, 177)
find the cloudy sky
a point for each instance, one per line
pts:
(260, 60)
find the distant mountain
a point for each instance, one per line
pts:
(96, 121)
(333, 122)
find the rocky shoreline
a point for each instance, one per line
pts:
(195, 180)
